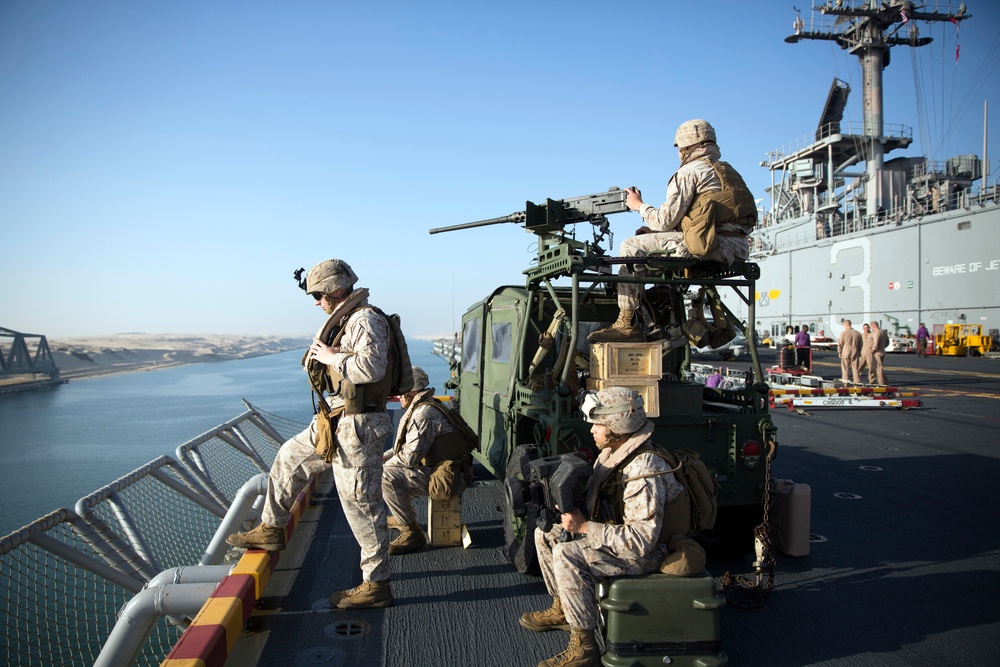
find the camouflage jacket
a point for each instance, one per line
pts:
(423, 424)
(643, 496)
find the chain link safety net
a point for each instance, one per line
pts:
(65, 577)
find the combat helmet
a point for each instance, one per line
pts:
(330, 276)
(420, 379)
(618, 408)
(693, 132)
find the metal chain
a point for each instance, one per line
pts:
(744, 592)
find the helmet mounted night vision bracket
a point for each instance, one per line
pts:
(299, 279)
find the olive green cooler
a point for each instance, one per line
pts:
(661, 619)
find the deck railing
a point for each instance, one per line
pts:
(65, 577)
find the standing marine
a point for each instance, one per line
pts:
(352, 359)
(635, 504)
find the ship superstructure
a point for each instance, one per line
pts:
(853, 235)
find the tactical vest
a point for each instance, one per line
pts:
(451, 446)
(732, 204)
(369, 397)
(611, 499)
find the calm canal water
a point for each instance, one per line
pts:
(59, 444)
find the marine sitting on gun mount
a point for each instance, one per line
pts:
(708, 215)
(709, 212)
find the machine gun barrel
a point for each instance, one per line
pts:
(556, 213)
(517, 217)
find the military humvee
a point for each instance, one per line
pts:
(525, 360)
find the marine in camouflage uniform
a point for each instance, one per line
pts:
(624, 483)
(361, 357)
(662, 227)
(403, 475)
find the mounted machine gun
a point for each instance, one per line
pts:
(525, 362)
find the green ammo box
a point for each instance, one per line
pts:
(661, 619)
(681, 399)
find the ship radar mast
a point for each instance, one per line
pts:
(868, 29)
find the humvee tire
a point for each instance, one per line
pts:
(519, 516)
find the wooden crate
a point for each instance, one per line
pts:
(611, 361)
(444, 521)
(648, 388)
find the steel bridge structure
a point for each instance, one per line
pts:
(18, 359)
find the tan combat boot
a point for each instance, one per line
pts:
(368, 594)
(410, 537)
(581, 652)
(626, 328)
(393, 522)
(263, 537)
(552, 618)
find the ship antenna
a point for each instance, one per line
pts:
(863, 29)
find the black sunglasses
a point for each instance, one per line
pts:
(317, 295)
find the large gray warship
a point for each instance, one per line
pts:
(902, 241)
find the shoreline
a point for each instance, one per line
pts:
(91, 357)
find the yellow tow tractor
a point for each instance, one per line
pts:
(957, 340)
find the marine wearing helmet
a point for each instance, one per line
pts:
(707, 214)
(693, 132)
(621, 533)
(350, 363)
(329, 277)
(618, 408)
(429, 457)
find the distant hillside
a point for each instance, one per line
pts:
(120, 353)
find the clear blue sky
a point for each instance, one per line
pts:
(165, 166)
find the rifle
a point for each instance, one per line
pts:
(554, 214)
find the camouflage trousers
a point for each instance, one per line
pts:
(730, 250)
(570, 570)
(641, 246)
(357, 471)
(294, 464)
(399, 485)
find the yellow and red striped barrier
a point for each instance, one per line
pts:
(843, 397)
(833, 391)
(214, 631)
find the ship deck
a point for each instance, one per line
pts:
(903, 569)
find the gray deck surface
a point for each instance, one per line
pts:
(908, 573)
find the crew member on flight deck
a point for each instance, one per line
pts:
(849, 350)
(867, 347)
(876, 365)
(922, 335)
